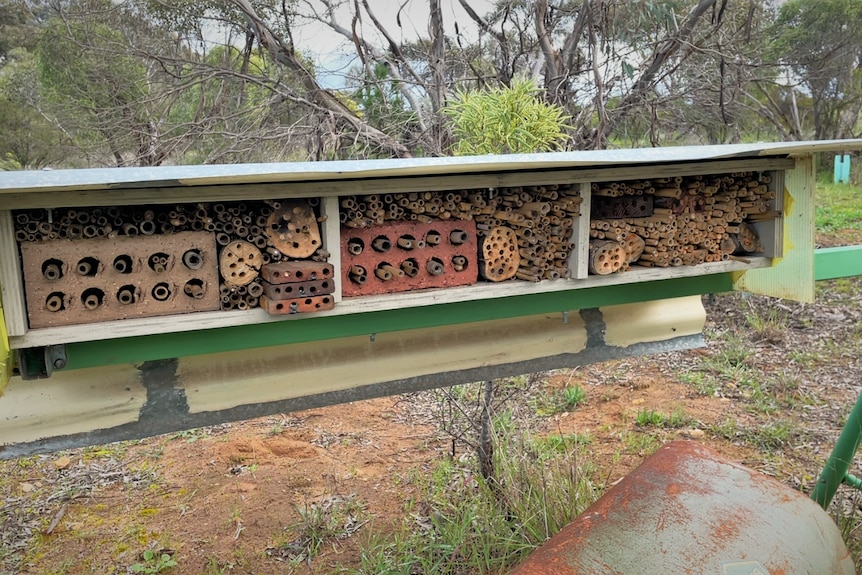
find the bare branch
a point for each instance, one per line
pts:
(658, 59)
(324, 98)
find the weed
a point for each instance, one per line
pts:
(332, 519)
(191, 435)
(640, 443)
(464, 524)
(845, 511)
(837, 207)
(769, 325)
(677, 419)
(565, 399)
(277, 428)
(806, 358)
(649, 418)
(728, 429)
(574, 396)
(558, 443)
(732, 353)
(766, 437)
(214, 567)
(153, 562)
(772, 435)
(704, 383)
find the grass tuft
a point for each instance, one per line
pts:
(463, 524)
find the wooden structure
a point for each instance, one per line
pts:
(693, 208)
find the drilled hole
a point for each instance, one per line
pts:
(87, 267)
(123, 264)
(52, 269)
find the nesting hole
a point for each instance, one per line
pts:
(52, 269)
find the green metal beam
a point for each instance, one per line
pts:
(832, 263)
(170, 345)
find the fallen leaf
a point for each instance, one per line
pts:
(59, 515)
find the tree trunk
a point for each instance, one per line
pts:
(485, 449)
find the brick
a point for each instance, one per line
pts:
(298, 289)
(170, 288)
(296, 271)
(298, 305)
(421, 255)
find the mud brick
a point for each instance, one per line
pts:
(297, 305)
(68, 282)
(298, 289)
(422, 254)
(296, 271)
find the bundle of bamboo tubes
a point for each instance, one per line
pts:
(695, 219)
(540, 216)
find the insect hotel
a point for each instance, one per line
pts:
(141, 301)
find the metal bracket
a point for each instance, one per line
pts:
(40, 362)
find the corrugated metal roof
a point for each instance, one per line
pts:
(171, 176)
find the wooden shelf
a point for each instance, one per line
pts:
(219, 319)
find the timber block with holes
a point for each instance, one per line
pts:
(625, 207)
(68, 282)
(296, 271)
(298, 289)
(297, 305)
(381, 250)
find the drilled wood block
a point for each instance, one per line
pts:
(70, 282)
(405, 256)
(296, 271)
(298, 289)
(298, 305)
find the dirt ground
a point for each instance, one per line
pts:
(225, 499)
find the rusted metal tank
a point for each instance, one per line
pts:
(686, 510)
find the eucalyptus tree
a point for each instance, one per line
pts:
(27, 138)
(151, 81)
(820, 46)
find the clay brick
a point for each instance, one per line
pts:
(295, 271)
(298, 305)
(119, 268)
(298, 289)
(421, 255)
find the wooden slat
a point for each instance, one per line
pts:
(332, 240)
(579, 256)
(208, 320)
(11, 279)
(342, 187)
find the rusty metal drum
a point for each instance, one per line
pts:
(686, 510)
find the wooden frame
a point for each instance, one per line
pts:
(21, 337)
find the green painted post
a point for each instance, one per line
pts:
(842, 169)
(838, 465)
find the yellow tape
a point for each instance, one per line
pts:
(5, 353)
